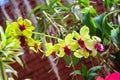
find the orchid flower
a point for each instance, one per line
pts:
(83, 40)
(22, 29)
(87, 46)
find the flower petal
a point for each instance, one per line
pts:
(20, 21)
(100, 78)
(113, 76)
(69, 38)
(76, 35)
(78, 53)
(61, 53)
(84, 31)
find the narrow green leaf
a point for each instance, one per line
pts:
(10, 69)
(35, 9)
(3, 75)
(18, 60)
(84, 72)
(89, 22)
(95, 68)
(3, 37)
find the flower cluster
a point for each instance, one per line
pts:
(80, 44)
(22, 30)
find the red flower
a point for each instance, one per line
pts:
(113, 76)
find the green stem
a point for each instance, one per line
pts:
(105, 62)
(42, 34)
(73, 68)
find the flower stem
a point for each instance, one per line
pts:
(73, 68)
(42, 34)
(105, 62)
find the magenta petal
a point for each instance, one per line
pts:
(113, 76)
(100, 78)
(67, 51)
(99, 47)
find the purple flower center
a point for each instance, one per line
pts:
(22, 27)
(22, 40)
(90, 51)
(99, 47)
(81, 43)
(67, 51)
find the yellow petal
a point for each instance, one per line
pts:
(78, 53)
(61, 53)
(85, 54)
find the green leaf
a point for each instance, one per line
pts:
(18, 60)
(50, 2)
(93, 69)
(92, 76)
(75, 72)
(92, 10)
(75, 60)
(84, 72)
(3, 37)
(110, 3)
(106, 26)
(10, 69)
(98, 21)
(3, 75)
(35, 9)
(89, 22)
(84, 3)
(115, 35)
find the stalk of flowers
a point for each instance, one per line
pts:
(81, 44)
(63, 47)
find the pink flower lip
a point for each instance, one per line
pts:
(99, 47)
